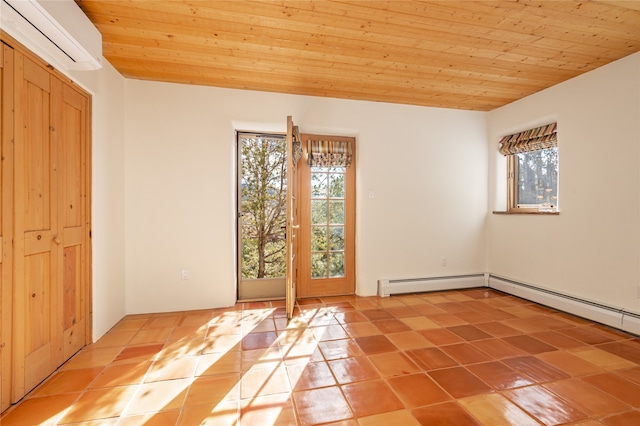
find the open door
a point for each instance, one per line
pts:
(294, 152)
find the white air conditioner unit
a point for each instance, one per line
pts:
(56, 30)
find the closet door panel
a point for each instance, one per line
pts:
(3, 282)
(6, 221)
(38, 344)
(69, 134)
(37, 331)
(73, 320)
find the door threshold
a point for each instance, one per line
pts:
(260, 299)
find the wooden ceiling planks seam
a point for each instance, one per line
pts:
(277, 61)
(478, 17)
(469, 55)
(398, 56)
(236, 2)
(232, 80)
(234, 20)
(400, 34)
(305, 68)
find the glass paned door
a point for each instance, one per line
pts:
(327, 226)
(262, 187)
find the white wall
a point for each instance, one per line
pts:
(591, 249)
(428, 168)
(107, 89)
(163, 189)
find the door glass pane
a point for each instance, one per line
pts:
(318, 185)
(336, 265)
(318, 265)
(319, 238)
(318, 212)
(336, 212)
(337, 185)
(336, 238)
(263, 189)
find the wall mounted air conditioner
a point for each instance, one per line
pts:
(56, 30)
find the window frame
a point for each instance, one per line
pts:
(512, 192)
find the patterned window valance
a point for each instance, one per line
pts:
(543, 137)
(329, 153)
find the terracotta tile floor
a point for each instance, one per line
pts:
(449, 358)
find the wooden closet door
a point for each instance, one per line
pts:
(37, 290)
(6, 215)
(68, 132)
(45, 250)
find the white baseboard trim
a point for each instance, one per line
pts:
(631, 323)
(594, 311)
(387, 287)
(609, 315)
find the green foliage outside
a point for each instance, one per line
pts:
(327, 218)
(538, 177)
(263, 205)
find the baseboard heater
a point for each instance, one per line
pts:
(598, 312)
(421, 285)
(609, 315)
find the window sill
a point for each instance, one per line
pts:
(529, 212)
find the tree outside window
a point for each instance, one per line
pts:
(263, 207)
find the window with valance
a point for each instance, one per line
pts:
(532, 169)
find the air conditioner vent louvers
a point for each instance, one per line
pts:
(56, 30)
(39, 30)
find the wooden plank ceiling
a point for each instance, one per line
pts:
(475, 55)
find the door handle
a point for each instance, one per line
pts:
(292, 227)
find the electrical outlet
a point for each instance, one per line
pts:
(638, 292)
(184, 273)
(443, 261)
